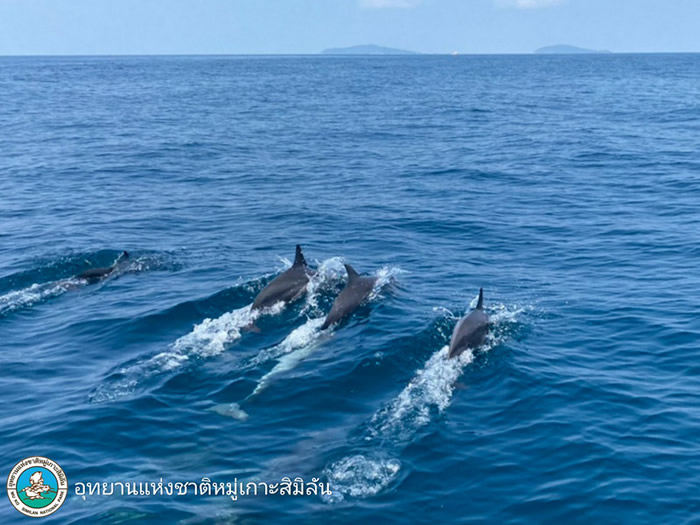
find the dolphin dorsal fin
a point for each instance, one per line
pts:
(352, 274)
(480, 304)
(299, 257)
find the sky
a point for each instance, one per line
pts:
(94, 27)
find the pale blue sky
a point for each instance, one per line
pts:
(308, 26)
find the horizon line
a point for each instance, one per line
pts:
(322, 54)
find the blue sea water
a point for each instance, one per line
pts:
(567, 187)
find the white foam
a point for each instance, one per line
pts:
(431, 389)
(297, 346)
(360, 476)
(208, 338)
(385, 275)
(212, 337)
(306, 339)
(432, 386)
(327, 273)
(298, 338)
(35, 293)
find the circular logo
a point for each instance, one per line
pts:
(37, 486)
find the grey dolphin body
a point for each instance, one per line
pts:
(286, 287)
(471, 330)
(95, 274)
(355, 293)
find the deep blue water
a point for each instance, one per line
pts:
(567, 186)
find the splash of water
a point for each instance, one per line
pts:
(209, 338)
(297, 346)
(430, 390)
(306, 339)
(328, 273)
(36, 293)
(361, 476)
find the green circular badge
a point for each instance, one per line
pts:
(37, 486)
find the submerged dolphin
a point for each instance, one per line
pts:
(355, 293)
(287, 286)
(471, 330)
(95, 274)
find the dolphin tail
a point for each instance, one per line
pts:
(480, 304)
(299, 257)
(352, 274)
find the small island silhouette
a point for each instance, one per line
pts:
(369, 49)
(564, 49)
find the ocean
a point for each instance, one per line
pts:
(567, 187)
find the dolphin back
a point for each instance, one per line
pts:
(356, 291)
(471, 331)
(287, 286)
(95, 273)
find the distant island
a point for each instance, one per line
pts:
(367, 50)
(567, 50)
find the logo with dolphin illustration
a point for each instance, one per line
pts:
(37, 486)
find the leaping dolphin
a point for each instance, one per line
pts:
(286, 287)
(471, 330)
(95, 274)
(355, 293)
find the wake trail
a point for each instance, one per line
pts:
(40, 292)
(305, 340)
(207, 339)
(36, 293)
(392, 427)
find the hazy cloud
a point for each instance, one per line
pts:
(379, 4)
(528, 4)
(406, 4)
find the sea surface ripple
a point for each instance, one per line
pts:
(566, 186)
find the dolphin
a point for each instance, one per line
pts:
(287, 286)
(95, 274)
(355, 293)
(471, 330)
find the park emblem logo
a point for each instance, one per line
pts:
(37, 486)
